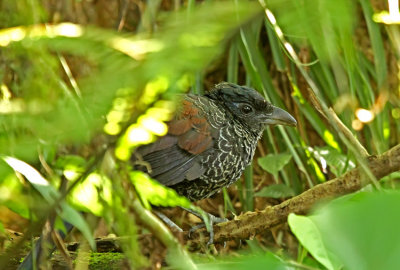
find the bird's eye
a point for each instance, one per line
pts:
(246, 109)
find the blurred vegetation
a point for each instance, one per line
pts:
(83, 83)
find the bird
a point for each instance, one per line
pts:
(210, 140)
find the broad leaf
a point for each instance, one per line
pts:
(360, 229)
(273, 163)
(310, 237)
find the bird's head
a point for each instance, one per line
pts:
(249, 107)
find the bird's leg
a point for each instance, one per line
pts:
(211, 221)
(168, 221)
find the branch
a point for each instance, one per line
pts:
(251, 223)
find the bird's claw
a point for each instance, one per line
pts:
(211, 232)
(212, 220)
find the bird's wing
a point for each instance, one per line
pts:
(177, 156)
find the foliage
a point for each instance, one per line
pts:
(248, 261)
(153, 193)
(77, 97)
(51, 195)
(275, 191)
(357, 231)
(273, 163)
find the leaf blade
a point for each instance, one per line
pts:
(273, 163)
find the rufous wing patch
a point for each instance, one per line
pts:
(192, 129)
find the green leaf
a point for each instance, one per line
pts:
(51, 195)
(310, 237)
(276, 191)
(152, 192)
(34, 177)
(264, 261)
(392, 176)
(91, 193)
(12, 194)
(361, 230)
(2, 230)
(276, 50)
(72, 166)
(19, 206)
(75, 218)
(376, 42)
(273, 163)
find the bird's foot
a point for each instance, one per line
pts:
(211, 220)
(168, 221)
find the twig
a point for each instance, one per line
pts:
(123, 13)
(58, 241)
(347, 133)
(251, 223)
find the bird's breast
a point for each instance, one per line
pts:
(233, 149)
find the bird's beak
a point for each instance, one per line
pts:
(279, 117)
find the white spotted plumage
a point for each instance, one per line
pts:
(225, 162)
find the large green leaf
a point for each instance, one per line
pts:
(361, 230)
(310, 237)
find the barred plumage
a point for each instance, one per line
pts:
(211, 140)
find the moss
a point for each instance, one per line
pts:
(105, 261)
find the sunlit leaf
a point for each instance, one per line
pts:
(71, 165)
(90, 195)
(34, 177)
(152, 192)
(12, 194)
(50, 194)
